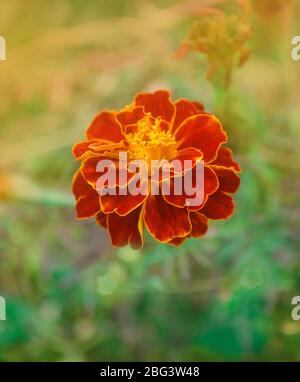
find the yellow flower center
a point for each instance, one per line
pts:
(150, 142)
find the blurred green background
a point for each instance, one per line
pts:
(70, 295)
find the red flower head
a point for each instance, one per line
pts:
(155, 128)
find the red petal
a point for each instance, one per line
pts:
(164, 221)
(79, 149)
(218, 206)
(204, 132)
(198, 105)
(184, 110)
(131, 129)
(225, 159)
(211, 184)
(84, 149)
(101, 219)
(127, 229)
(105, 126)
(229, 181)
(196, 208)
(157, 103)
(199, 223)
(121, 204)
(177, 241)
(87, 199)
(91, 175)
(190, 154)
(130, 116)
(87, 206)
(89, 170)
(80, 187)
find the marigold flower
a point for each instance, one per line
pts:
(155, 128)
(221, 38)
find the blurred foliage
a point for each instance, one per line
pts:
(70, 295)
